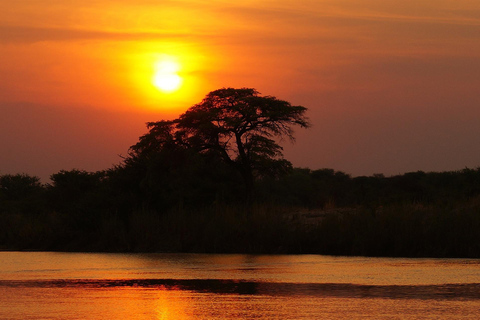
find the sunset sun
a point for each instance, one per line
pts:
(165, 76)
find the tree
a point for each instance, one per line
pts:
(21, 193)
(77, 192)
(18, 187)
(237, 125)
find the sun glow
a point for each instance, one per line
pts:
(166, 76)
(168, 82)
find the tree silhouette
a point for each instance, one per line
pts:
(236, 125)
(21, 193)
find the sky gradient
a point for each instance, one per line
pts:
(390, 86)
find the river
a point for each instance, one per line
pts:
(45, 285)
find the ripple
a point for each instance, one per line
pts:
(469, 291)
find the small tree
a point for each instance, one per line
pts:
(21, 193)
(237, 125)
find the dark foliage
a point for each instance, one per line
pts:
(233, 126)
(21, 194)
(306, 211)
(185, 187)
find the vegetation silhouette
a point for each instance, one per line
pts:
(215, 180)
(236, 126)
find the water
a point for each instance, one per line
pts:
(193, 286)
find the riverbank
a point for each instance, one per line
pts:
(410, 230)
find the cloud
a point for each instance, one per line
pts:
(23, 35)
(306, 12)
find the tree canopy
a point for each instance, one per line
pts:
(238, 126)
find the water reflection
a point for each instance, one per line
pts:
(446, 291)
(174, 303)
(184, 287)
(257, 268)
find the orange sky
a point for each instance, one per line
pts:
(391, 86)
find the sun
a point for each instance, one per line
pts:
(165, 76)
(165, 81)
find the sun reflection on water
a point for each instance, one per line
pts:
(170, 305)
(183, 287)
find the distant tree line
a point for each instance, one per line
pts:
(414, 214)
(122, 190)
(320, 188)
(215, 180)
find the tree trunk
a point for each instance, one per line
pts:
(249, 185)
(246, 171)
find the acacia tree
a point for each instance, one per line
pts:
(237, 125)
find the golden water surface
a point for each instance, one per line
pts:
(193, 286)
